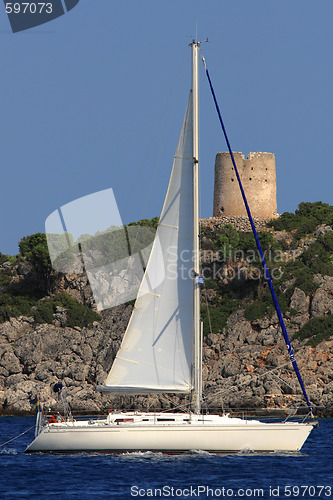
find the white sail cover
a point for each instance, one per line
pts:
(156, 353)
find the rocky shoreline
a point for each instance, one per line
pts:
(245, 367)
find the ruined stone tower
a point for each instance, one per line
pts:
(258, 176)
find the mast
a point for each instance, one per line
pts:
(196, 292)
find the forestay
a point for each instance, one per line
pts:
(156, 353)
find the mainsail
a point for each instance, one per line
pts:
(156, 354)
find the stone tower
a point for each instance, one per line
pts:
(258, 176)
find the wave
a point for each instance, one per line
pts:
(8, 451)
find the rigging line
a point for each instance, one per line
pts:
(10, 440)
(175, 406)
(274, 369)
(277, 385)
(218, 391)
(208, 312)
(272, 375)
(262, 257)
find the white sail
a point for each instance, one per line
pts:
(156, 353)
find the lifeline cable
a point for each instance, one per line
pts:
(262, 257)
(13, 439)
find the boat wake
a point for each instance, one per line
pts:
(200, 452)
(10, 451)
(247, 452)
(141, 454)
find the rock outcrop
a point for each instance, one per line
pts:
(322, 302)
(33, 357)
(245, 366)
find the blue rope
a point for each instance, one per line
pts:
(262, 257)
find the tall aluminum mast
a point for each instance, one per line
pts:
(196, 266)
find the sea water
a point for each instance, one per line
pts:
(304, 475)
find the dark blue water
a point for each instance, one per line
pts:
(306, 475)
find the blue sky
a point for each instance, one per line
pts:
(95, 100)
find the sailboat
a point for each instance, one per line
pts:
(161, 351)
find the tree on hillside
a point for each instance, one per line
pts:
(34, 248)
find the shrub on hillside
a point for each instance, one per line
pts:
(77, 313)
(216, 315)
(316, 330)
(305, 219)
(13, 305)
(35, 249)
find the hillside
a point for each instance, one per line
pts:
(50, 330)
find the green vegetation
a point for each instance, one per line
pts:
(298, 270)
(34, 248)
(42, 310)
(104, 247)
(13, 305)
(260, 307)
(228, 239)
(305, 219)
(17, 300)
(234, 245)
(221, 305)
(6, 272)
(218, 313)
(316, 259)
(263, 305)
(316, 330)
(77, 314)
(7, 258)
(146, 222)
(29, 244)
(226, 288)
(113, 245)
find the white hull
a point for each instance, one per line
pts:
(209, 433)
